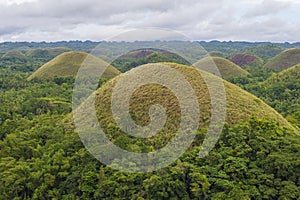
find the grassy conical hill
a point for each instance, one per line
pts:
(247, 60)
(227, 68)
(240, 104)
(284, 60)
(67, 64)
(290, 75)
(217, 54)
(144, 56)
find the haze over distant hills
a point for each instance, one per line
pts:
(223, 46)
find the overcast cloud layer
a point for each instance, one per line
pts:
(247, 20)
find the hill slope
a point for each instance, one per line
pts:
(247, 60)
(290, 75)
(15, 60)
(217, 54)
(67, 64)
(227, 68)
(265, 52)
(284, 60)
(240, 104)
(282, 91)
(144, 56)
(14, 57)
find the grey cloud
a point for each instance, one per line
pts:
(87, 8)
(182, 15)
(97, 19)
(267, 30)
(45, 13)
(267, 7)
(9, 29)
(48, 13)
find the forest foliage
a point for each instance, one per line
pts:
(41, 157)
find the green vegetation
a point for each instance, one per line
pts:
(265, 51)
(282, 91)
(227, 68)
(217, 54)
(279, 90)
(21, 98)
(26, 59)
(67, 64)
(240, 104)
(284, 60)
(14, 56)
(15, 60)
(42, 157)
(47, 53)
(144, 56)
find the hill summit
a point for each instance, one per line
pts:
(67, 64)
(284, 60)
(226, 68)
(144, 56)
(247, 60)
(240, 105)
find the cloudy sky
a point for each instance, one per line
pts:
(243, 20)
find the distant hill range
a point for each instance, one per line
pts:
(261, 49)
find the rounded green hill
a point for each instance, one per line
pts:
(290, 75)
(217, 54)
(47, 52)
(227, 68)
(14, 56)
(284, 60)
(241, 105)
(144, 56)
(67, 64)
(282, 90)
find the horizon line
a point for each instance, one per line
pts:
(99, 41)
